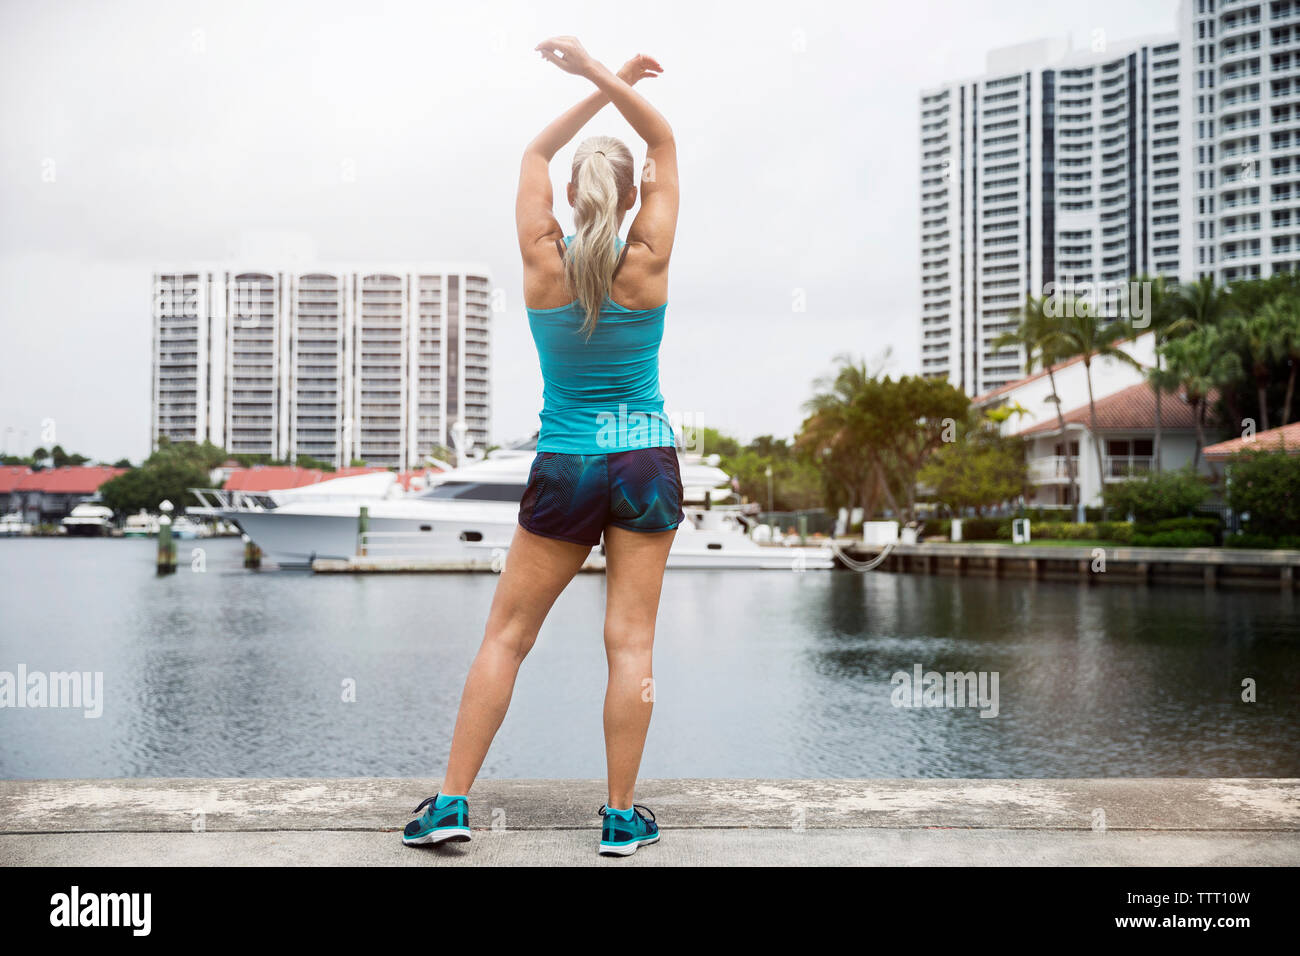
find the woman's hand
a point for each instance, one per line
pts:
(568, 54)
(639, 68)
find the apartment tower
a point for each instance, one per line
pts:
(380, 365)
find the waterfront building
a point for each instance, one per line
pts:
(376, 364)
(48, 495)
(1241, 96)
(1080, 169)
(1126, 426)
(1055, 169)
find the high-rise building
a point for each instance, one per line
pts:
(1075, 171)
(1242, 97)
(1056, 169)
(374, 364)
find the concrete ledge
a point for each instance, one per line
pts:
(789, 822)
(378, 804)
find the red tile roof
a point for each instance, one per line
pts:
(70, 480)
(1286, 438)
(11, 475)
(1133, 407)
(271, 478)
(1042, 373)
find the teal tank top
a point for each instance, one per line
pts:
(600, 395)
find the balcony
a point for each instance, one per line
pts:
(1120, 467)
(1050, 469)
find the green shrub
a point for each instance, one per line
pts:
(985, 529)
(1174, 539)
(1169, 494)
(1199, 525)
(1267, 486)
(1289, 542)
(1115, 531)
(1062, 531)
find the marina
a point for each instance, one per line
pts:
(217, 671)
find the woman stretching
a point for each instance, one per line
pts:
(606, 458)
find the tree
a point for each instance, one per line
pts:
(710, 441)
(1283, 314)
(982, 468)
(1155, 497)
(835, 437)
(871, 435)
(1266, 485)
(1168, 319)
(1036, 336)
(307, 461)
(1259, 336)
(167, 474)
(1201, 362)
(1080, 332)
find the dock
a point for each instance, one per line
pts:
(1188, 567)
(417, 565)
(1191, 567)
(1106, 822)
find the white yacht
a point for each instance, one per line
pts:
(467, 516)
(140, 525)
(88, 520)
(13, 525)
(184, 529)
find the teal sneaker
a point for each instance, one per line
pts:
(445, 820)
(625, 830)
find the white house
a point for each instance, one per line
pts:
(1126, 425)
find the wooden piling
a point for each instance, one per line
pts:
(166, 547)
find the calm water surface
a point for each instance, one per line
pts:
(758, 674)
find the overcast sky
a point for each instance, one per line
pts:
(140, 134)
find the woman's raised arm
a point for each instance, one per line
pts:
(535, 219)
(656, 222)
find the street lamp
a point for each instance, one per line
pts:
(768, 472)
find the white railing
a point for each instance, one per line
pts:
(1052, 468)
(1118, 467)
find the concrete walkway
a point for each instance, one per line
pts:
(1237, 822)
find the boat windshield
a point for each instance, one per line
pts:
(476, 491)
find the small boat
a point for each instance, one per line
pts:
(184, 528)
(88, 520)
(12, 525)
(141, 525)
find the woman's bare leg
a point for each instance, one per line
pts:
(537, 570)
(634, 574)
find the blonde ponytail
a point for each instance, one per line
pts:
(602, 173)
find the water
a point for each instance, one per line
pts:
(758, 674)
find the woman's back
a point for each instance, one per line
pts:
(601, 391)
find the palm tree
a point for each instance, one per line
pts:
(1259, 336)
(1284, 317)
(1035, 336)
(837, 435)
(1081, 332)
(1204, 303)
(1168, 319)
(1202, 361)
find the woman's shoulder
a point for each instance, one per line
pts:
(641, 284)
